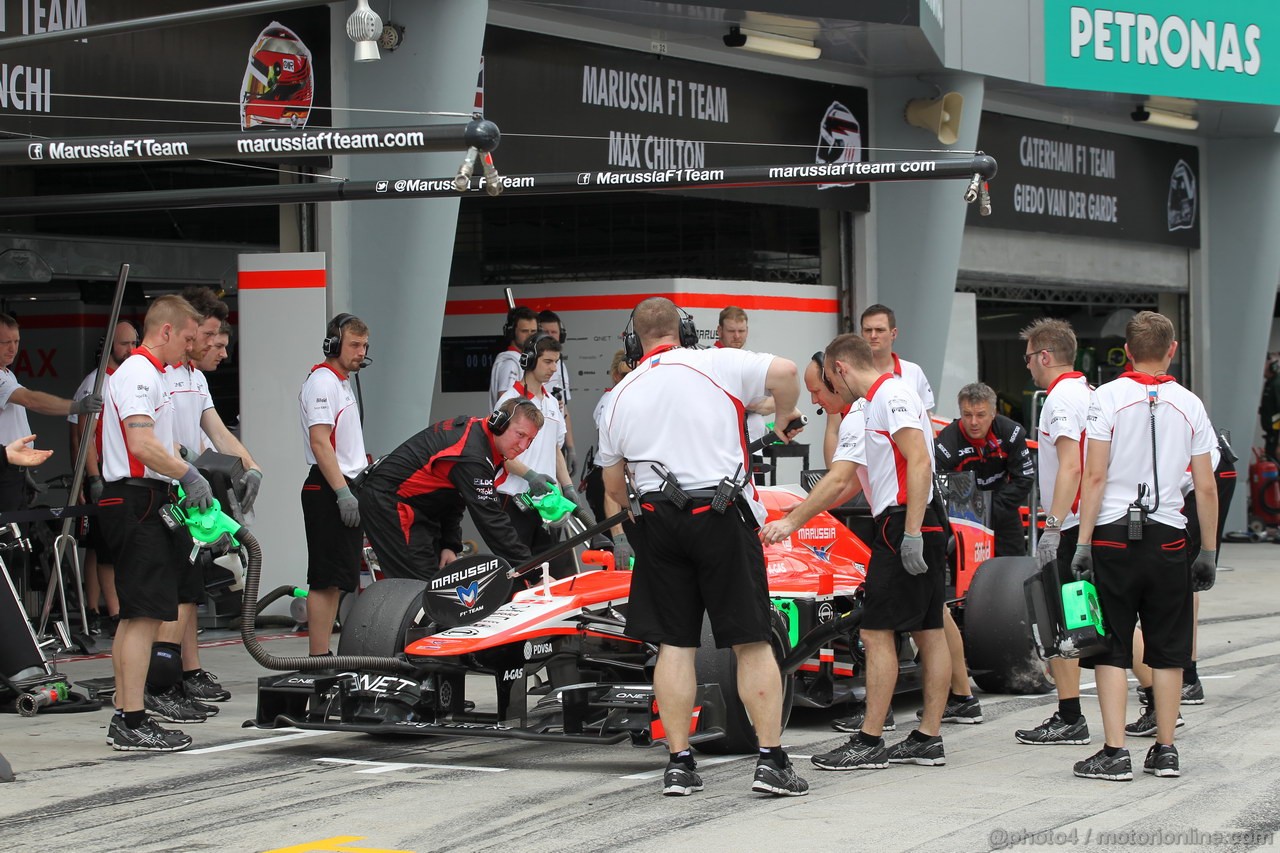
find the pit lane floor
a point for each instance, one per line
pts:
(248, 790)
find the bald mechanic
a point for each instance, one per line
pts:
(680, 412)
(412, 500)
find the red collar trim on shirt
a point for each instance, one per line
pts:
(844, 413)
(524, 392)
(658, 350)
(718, 345)
(897, 365)
(980, 443)
(876, 387)
(514, 348)
(331, 369)
(1146, 378)
(1070, 374)
(150, 356)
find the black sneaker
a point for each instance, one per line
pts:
(680, 780)
(1162, 760)
(854, 755)
(1055, 730)
(113, 622)
(204, 686)
(1145, 725)
(171, 705)
(148, 737)
(1116, 768)
(780, 781)
(1193, 693)
(911, 751)
(204, 707)
(959, 711)
(853, 723)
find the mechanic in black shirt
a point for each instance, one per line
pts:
(411, 501)
(995, 449)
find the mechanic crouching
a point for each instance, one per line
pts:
(995, 449)
(411, 501)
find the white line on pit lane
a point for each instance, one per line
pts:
(294, 734)
(1090, 685)
(389, 766)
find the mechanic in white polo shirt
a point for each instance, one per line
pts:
(880, 330)
(905, 580)
(139, 465)
(333, 444)
(1144, 430)
(521, 324)
(14, 402)
(540, 466)
(674, 427)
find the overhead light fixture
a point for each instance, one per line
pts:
(364, 27)
(1149, 114)
(772, 44)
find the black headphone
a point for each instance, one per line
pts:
(332, 346)
(820, 359)
(499, 420)
(529, 354)
(632, 348)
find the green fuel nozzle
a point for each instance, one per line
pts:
(552, 505)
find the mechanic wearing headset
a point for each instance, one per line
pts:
(139, 465)
(333, 444)
(542, 463)
(411, 501)
(674, 426)
(521, 324)
(558, 385)
(1144, 430)
(995, 449)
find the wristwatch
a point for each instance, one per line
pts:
(1051, 523)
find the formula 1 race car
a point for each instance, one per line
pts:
(564, 670)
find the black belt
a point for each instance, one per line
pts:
(694, 494)
(146, 483)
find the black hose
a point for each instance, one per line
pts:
(249, 633)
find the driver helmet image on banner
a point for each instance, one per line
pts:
(279, 80)
(839, 139)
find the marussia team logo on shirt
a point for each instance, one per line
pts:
(898, 405)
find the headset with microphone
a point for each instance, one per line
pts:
(634, 350)
(820, 358)
(332, 346)
(500, 418)
(529, 353)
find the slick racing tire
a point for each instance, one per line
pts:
(382, 614)
(720, 666)
(997, 629)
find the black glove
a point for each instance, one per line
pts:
(348, 507)
(248, 487)
(196, 488)
(1204, 570)
(93, 486)
(570, 460)
(622, 553)
(1082, 563)
(539, 484)
(86, 405)
(584, 513)
(913, 554)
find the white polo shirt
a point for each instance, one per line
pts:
(504, 374)
(137, 387)
(13, 418)
(541, 453)
(893, 405)
(189, 391)
(683, 408)
(852, 446)
(913, 375)
(1065, 414)
(1121, 414)
(326, 398)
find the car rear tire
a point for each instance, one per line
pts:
(382, 614)
(997, 629)
(720, 666)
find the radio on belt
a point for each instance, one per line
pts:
(727, 491)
